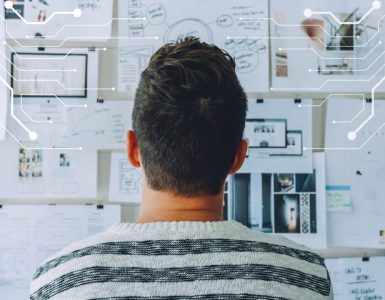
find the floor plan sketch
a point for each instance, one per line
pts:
(125, 180)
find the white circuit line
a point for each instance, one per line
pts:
(344, 148)
(329, 80)
(372, 110)
(318, 105)
(30, 70)
(354, 118)
(42, 22)
(28, 116)
(338, 20)
(57, 81)
(37, 148)
(305, 25)
(12, 108)
(326, 58)
(355, 70)
(90, 25)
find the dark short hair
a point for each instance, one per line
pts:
(189, 117)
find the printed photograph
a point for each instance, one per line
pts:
(284, 183)
(305, 183)
(37, 163)
(286, 213)
(24, 163)
(64, 160)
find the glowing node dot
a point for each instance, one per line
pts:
(80, 148)
(333, 122)
(51, 121)
(33, 136)
(85, 105)
(299, 105)
(105, 49)
(8, 4)
(77, 13)
(5, 42)
(376, 4)
(307, 12)
(352, 135)
(310, 70)
(75, 70)
(380, 42)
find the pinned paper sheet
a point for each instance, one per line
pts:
(125, 180)
(357, 278)
(76, 20)
(277, 131)
(326, 45)
(47, 167)
(339, 198)
(290, 204)
(239, 29)
(103, 124)
(30, 234)
(355, 164)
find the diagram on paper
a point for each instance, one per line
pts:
(238, 28)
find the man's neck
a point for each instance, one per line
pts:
(163, 206)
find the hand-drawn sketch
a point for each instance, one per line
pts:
(34, 76)
(125, 180)
(240, 28)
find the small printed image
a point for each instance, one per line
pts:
(305, 183)
(37, 163)
(382, 236)
(64, 160)
(24, 163)
(286, 213)
(18, 5)
(281, 63)
(264, 128)
(284, 183)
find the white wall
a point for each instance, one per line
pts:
(108, 77)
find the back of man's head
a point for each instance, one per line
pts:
(188, 118)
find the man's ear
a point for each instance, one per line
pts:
(133, 149)
(239, 157)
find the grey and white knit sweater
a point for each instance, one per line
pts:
(183, 260)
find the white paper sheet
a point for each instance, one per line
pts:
(357, 278)
(94, 23)
(102, 125)
(292, 205)
(355, 173)
(47, 167)
(264, 128)
(309, 54)
(125, 180)
(213, 21)
(67, 76)
(4, 90)
(30, 234)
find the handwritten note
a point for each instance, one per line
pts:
(357, 278)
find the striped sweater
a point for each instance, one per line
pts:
(183, 260)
